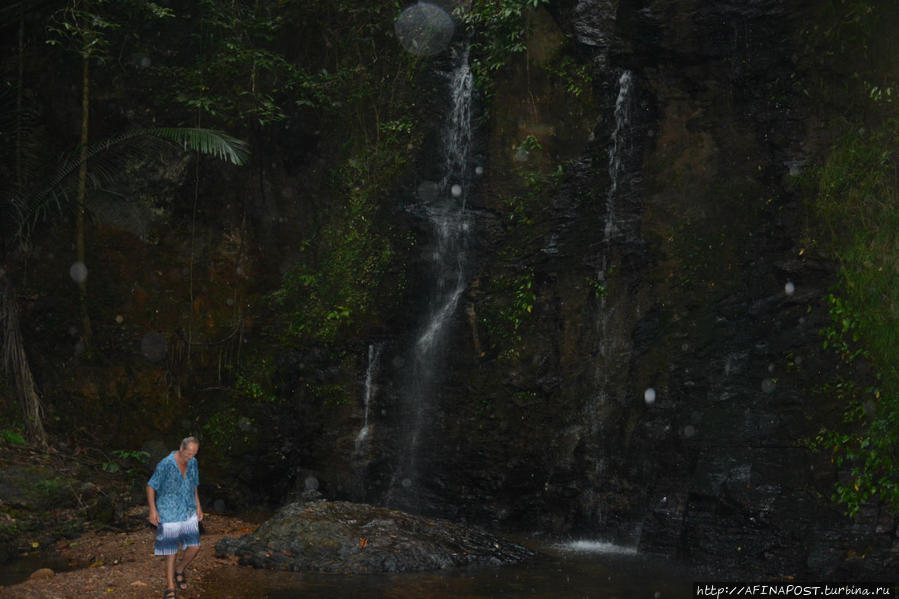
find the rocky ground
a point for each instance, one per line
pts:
(86, 509)
(91, 518)
(353, 538)
(121, 564)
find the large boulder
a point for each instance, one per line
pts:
(357, 538)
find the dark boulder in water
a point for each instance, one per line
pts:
(356, 538)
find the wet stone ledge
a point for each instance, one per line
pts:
(356, 538)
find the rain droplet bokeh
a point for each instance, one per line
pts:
(424, 29)
(78, 272)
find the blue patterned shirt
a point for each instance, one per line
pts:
(175, 494)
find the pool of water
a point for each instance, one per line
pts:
(21, 567)
(586, 570)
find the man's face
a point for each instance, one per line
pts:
(189, 452)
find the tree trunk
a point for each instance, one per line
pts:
(15, 364)
(20, 83)
(80, 208)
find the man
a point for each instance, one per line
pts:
(175, 511)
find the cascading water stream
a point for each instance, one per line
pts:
(374, 355)
(611, 350)
(451, 224)
(617, 148)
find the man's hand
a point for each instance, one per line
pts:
(199, 507)
(151, 503)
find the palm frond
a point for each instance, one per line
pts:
(33, 207)
(205, 141)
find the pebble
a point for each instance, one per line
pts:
(42, 573)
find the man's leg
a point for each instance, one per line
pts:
(170, 571)
(189, 554)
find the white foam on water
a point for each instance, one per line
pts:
(591, 546)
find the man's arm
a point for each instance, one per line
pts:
(151, 501)
(199, 509)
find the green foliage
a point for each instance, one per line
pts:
(229, 429)
(855, 202)
(33, 207)
(576, 78)
(535, 185)
(335, 291)
(500, 28)
(238, 76)
(243, 69)
(854, 63)
(128, 460)
(84, 27)
(841, 334)
(514, 301)
(13, 436)
(530, 144)
(253, 382)
(598, 288)
(98, 29)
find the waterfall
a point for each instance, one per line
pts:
(614, 305)
(618, 147)
(446, 213)
(374, 355)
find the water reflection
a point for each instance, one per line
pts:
(558, 573)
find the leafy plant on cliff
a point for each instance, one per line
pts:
(366, 96)
(850, 49)
(513, 301)
(336, 290)
(574, 76)
(856, 200)
(500, 28)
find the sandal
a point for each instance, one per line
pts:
(180, 580)
(169, 594)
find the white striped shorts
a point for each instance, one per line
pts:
(171, 536)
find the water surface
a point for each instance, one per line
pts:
(584, 571)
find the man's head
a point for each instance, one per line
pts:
(189, 448)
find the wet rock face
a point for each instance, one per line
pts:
(693, 305)
(356, 539)
(687, 297)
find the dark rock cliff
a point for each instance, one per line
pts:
(669, 370)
